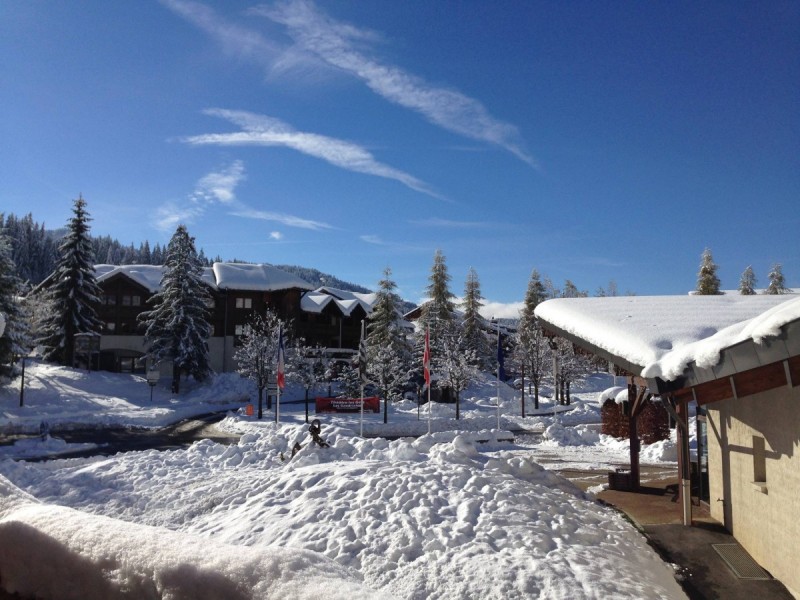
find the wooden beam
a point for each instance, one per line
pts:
(759, 379)
(713, 391)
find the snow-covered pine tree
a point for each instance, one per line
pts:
(747, 283)
(777, 282)
(72, 293)
(388, 352)
(437, 312)
(707, 280)
(178, 325)
(16, 341)
(257, 356)
(308, 369)
(456, 363)
(473, 322)
(532, 347)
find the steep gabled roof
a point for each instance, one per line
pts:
(345, 301)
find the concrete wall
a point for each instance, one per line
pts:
(765, 520)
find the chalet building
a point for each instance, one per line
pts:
(325, 316)
(736, 359)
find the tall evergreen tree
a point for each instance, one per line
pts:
(474, 336)
(16, 340)
(747, 283)
(707, 280)
(388, 353)
(777, 282)
(532, 349)
(178, 325)
(437, 313)
(72, 293)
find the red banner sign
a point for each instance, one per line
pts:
(372, 403)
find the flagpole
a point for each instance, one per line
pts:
(499, 363)
(280, 380)
(362, 371)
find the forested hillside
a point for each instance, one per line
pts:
(34, 250)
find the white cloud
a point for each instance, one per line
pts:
(283, 218)
(220, 185)
(372, 239)
(333, 42)
(449, 223)
(322, 42)
(275, 235)
(501, 310)
(261, 130)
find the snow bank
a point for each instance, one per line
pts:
(580, 435)
(56, 552)
(431, 518)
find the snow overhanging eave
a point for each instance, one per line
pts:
(619, 361)
(745, 355)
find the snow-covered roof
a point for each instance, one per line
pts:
(148, 276)
(263, 278)
(346, 301)
(659, 336)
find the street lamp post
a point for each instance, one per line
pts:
(153, 375)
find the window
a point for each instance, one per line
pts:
(131, 300)
(109, 299)
(244, 303)
(241, 329)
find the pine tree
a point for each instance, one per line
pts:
(777, 282)
(747, 283)
(436, 315)
(474, 335)
(532, 348)
(707, 280)
(178, 325)
(388, 352)
(16, 340)
(73, 292)
(457, 362)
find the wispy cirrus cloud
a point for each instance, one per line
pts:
(261, 130)
(345, 46)
(321, 42)
(216, 186)
(282, 218)
(219, 187)
(449, 223)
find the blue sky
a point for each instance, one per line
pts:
(593, 141)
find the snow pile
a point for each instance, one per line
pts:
(580, 435)
(56, 552)
(433, 518)
(39, 447)
(617, 393)
(70, 398)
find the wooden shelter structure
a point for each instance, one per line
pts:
(737, 358)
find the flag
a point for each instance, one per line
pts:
(426, 358)
(281, 361)
(362, 356)
(501, 372)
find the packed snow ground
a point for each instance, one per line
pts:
(436, 516)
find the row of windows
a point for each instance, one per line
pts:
(125, 300)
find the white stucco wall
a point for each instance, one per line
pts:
(766, 522)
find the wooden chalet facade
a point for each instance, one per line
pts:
(238, 291)
(747, 407)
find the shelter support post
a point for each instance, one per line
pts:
(679, 410)
(633, 413)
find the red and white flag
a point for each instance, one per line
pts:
(281, 361)
(426, 358)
